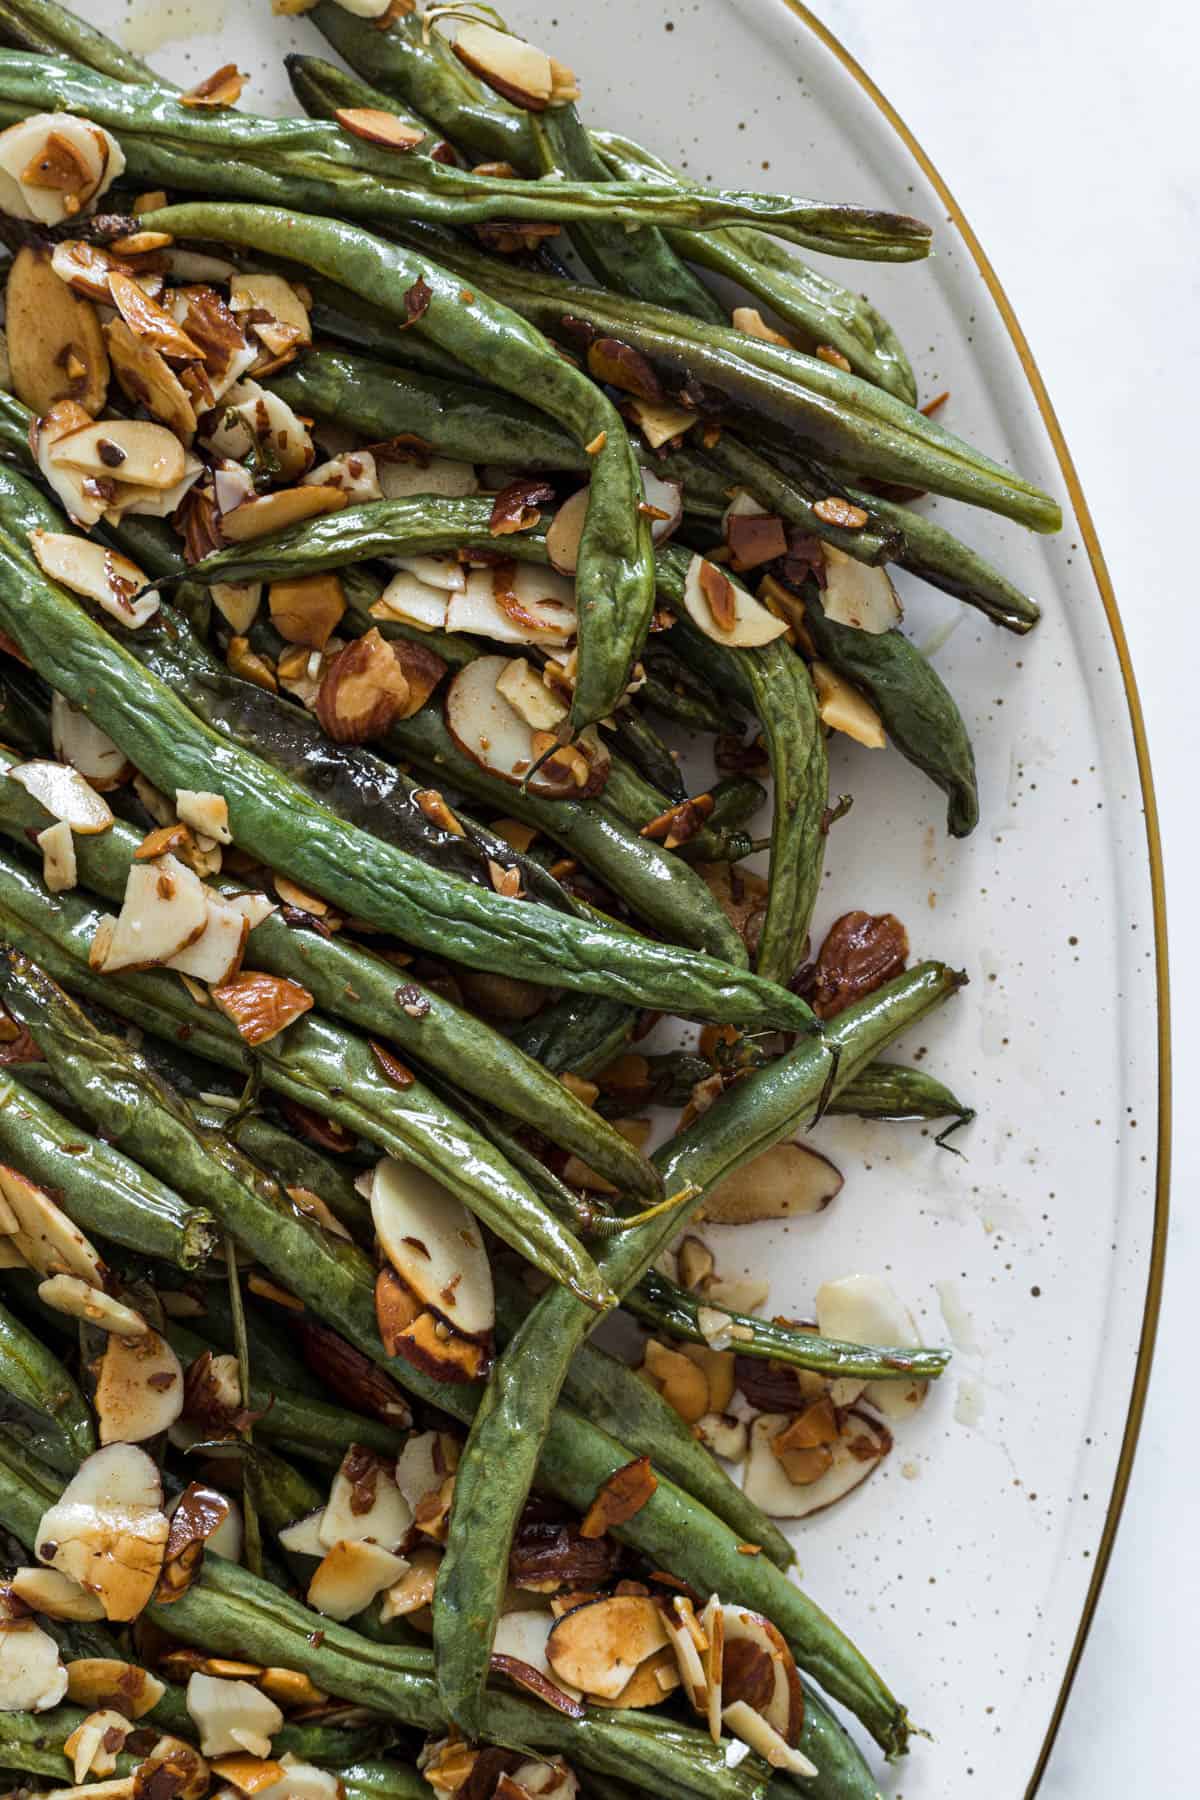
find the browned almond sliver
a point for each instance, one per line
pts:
(624, 1493)
(860, 952)
(441, 1353)
(396, 1306)
(718, 592)
(363, 690)
(287, 506)
(261, 1006)
(354, 1378)
(379, 127)
(514, 69)
(308, 609)
(422, 669)
(517, 506)
(679, 823)
(248, 1774)
(86, 268)
(524, 1675)
(59, 165)
(151, 322)
(835, 511)
(200, 1512)
(619, 365)
(598, 1647)
(144, 375)
(222, 88)
(755, 538)
(105, 1682)
(55, 346)
(172, 1768)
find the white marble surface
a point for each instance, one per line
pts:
(1067, 130)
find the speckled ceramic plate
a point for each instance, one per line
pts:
(967, 1567)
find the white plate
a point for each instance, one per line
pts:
(967, 1567)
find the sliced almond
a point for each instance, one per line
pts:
(434, 1244)
(401, 478)
(205, 812)
(82, 744)
(415, 1588)
(517, 70)
(32, 1678)
(58, 857)
(522, 1636)
(565, 531)
(100, 574)
(286, 324)
(712, 1624)
(303, 1537)
(83, 497)
(172, 1766)
(537, 607)
(101, 1681)
(54, 165)
(664, 497)
(151, 502)
(64, 793)
(724, 1434)
(139, 1388)
(260, 1005)
(599, 1646)
(237, 602)
(529, 697)
(56, 350)
(365, 1503)
(216, 955)
(758, 1667)
(444, 571)
(412, 601)
(844, 709)
(157, 328)
(659, 423)
(353, 474)
(47, 1239)
(252, 416)
(864, 1309)
(423, 1464)
(58, 1596)
(492, 733)
(724, 611)
(751, 321)
(379, 127)
(680, 1381)
(80, 1300)
(274, 512)
(787, 1180)
(201, 1518)
(301, 1780)
(145, 377)
(307, 610)
(165, 909)
(128, 450)
(762, 1737)
(231, 1716)
(94, 1745)
(858, 594)
(350, 1576)
(861, 1445)
(108, 1530)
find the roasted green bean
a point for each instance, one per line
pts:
(33, 1375)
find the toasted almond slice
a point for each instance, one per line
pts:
(154, 503)
(289, 1688)
(237, 602)
(261, 1006)
(754, 1730)
(485, 726)
(303, 1537)
(58, 857)
(724, 611)
(844, 709)
(101, 1681)
(529, 696)
(287, 506)
(379, 127)
(307, 610)
(93, 1746)
(681, 1382)
(303, 1781)
(599, 1646)
(415, 1588)
(250, 415)
(751, 321)
(201, 1518)
(127, 450)
(47, 1240)
(82, 744)
(98, 573)
(56, 350)
(861, 1446)
(58, 1596)
(553, 1779)
(204, 812)
(424, 1463)
(64, 793)
(858, 594)
(139, 1388)
(353, 474)
(84, 498)
(523, 1635)
(350, 1576)
(145, 376)
(864, 1309)
(399, 478)
(216, 955)
(444, 571)
(687, 1656)
(565, 531)
(434, 1244)
(364, 1503)
(149, 321)
(108, 1529)
(86, 268)
(723, 1434)
(164, 910)
(665, 499)
(712, 1624)
(758, 1667)
(413, 602)
(515, 69)
(54, 165)
(288, 324)
(249, 1774)
(659, 423)
(787, 1180)
(32, 1678)
(540, 607)
(231, 1716)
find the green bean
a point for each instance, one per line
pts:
(637, 738)
(793, 496)
(364, 876)
(800, 401)
(891, 1091)
(351, 983)
(312, 164)
(103, 1191)
(785, 702)
(503, 1445)
(50, 30)
(294, 1163)
(315, 1428)
(382, 1781)
(619, 1402)
(676, 691)
(33, 1375)
(23, 721)
(34, 1743)
(276, 1359)
(576, 1035)
(456, 419)
(917, 709)
(614, 579)
(147, 1109)
(338, 313)
(644, 263)
(824, 312)
(665, 1306)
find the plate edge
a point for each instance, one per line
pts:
(1108, 599)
